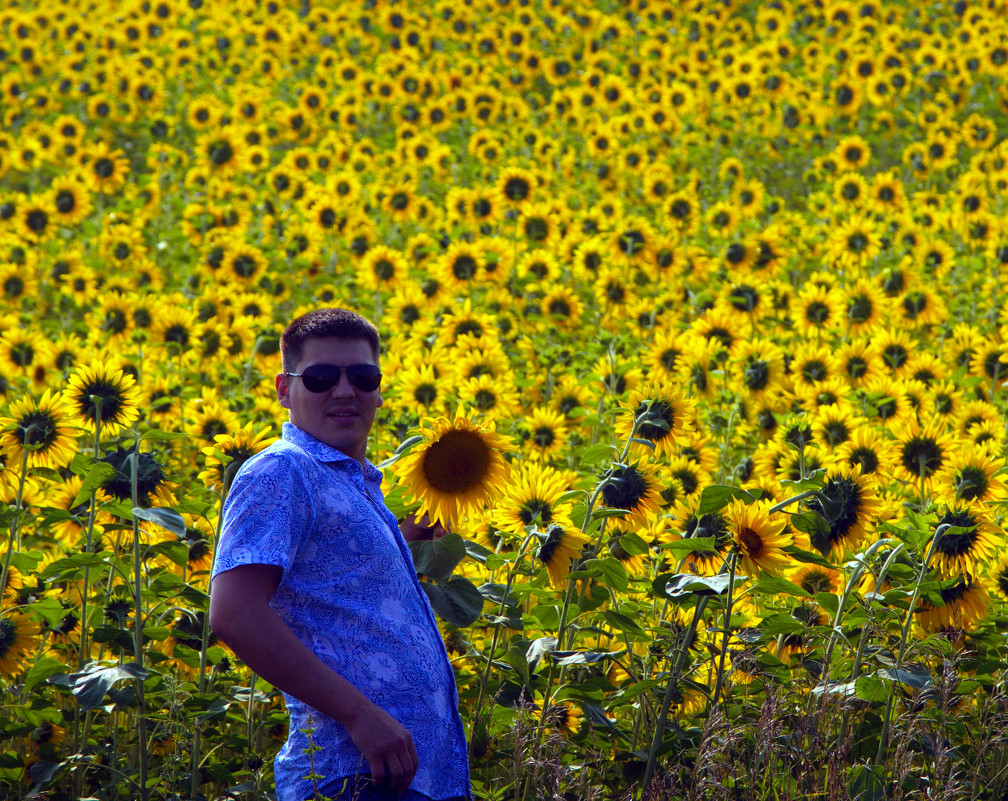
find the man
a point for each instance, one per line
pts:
(314, 588)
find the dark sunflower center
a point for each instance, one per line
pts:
(8, 635)
(36, 429)
(115, 321)
(464, 267)
(177, 334)
(516, 188)
(744, 298)
(626, 489)
(425, 394)
(37, 220)
(553, 540)
(814, 370)
(536, 229)
(857, 241)
(559, 307)
(535, 509)
(972, 484)
(836, 432)
(104, 168)
(485, 400)
(712, 525)
(456, 462)
(816, 581)
(100, 393)
(839, 503)
(751, 541)
(757, 375)
(148, 471)
(220, 152)
(955, 592)
(14, 287)
(544, 436)
(922, 456)
(658, 421)
(959, 543)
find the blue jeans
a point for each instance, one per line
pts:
(360, 788)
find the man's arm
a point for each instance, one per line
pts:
(241, 616)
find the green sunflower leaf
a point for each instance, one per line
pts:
(91, 684)
(168, 519)
(97, 474)
(683, 584)
(599, 452)
(717, 496)
(456, 601)
(777, 585)
(917, 677)
(437, 559)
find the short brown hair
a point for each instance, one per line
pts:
(331, 322)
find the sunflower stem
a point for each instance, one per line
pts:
(670, 688)
(863, 639)
(726, 633)
(855, 577)
(496, 636)
(887, 718)
(788, 501)
(138, 624)
(204, 645)
(84, 648)
(15, 524)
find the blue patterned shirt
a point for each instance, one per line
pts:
(349, 591)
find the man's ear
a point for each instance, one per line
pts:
(283, 390)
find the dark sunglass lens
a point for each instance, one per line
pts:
(323, 377)
(366, 377)
(320, 378)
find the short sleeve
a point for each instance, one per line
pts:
(267, 514)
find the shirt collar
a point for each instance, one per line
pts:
(326, 453)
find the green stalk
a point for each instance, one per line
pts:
(670, 688)
(852, 581)
(732, 559)
(496, 635)
(15, 523)
(84, 648)
(855, 577)
(887, 719)
(788, 501)
(138, 624)
(204, 645)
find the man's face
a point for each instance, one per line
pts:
(342, 416)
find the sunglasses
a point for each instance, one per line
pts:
(323, 377)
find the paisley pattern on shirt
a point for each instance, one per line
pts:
(349, 591)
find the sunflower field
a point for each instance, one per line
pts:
(705, 298)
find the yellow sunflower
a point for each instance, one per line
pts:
(967, 539)
(39, 430)
(100, 395)
(662, 414)
(17, 642)
(559, 546)
(759, 539)
(457, 468)
(229, 452)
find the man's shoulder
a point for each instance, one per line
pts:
(280, 456)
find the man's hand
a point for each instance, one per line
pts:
(422, 529)
(387, 747)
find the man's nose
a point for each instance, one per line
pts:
(342, 386)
